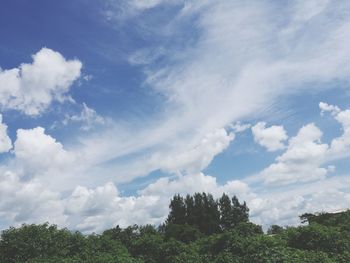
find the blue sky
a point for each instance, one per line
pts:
(110, 107)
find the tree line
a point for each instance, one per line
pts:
(198, 229)
(209, 216)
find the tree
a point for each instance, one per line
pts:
(185, 233)
(189, 204)
(177, 214)
(226, 217)
(274, 229)
(205, 214)
(211, 215)
(240, 212)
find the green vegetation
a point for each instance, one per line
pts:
(198, 229)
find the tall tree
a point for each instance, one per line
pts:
(189, 204)
(240, 212)
(226, 216)
(177, 213)
(211, 215)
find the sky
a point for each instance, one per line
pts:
(110, 107)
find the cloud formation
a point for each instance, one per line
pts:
(28, 201)
(199, 157)
(301, 161)
(31, 88)
(236, 66)
(93, 209)
(39, 153)
(272, 137)
(88, 118)
(5, 140)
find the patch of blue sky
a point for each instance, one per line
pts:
(241, 159)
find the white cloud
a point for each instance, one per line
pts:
(96, 209)
(283, 206)
(91, 202)
(103, 207)
(340, 146)
(239, 127)
(28, 201)
(301, 161)
(88, 118)
(5, 140)
(328, 108)
(306, 154)
(272, 137)
(31, 88)
(145, 56)
(39, 153)
(193, 183)
(199, 157)
(145, 4)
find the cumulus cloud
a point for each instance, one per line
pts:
(40, 153)
(5, 140)
(28, 201)
(193, 183)
(95, 209)
(103, 207)
(302, 159)
(31, 88)
(340, 146)
(328, 108)
(306, 154)
(272, 137)
(283, 206)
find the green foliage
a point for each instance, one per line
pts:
(205, 213)
(177, 214)
(319, 238)
(198, 229)
(275, 229)
(30, 241)
(226, 215)
(340, 219)
(185, 233)
(46, 243)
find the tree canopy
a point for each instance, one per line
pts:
(197, 229)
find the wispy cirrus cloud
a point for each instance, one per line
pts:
(239, 66)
